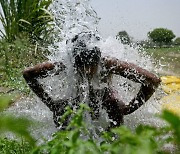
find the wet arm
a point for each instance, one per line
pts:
(149, 81)
(42, 70)
(32, 74)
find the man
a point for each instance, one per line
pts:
(88, 64)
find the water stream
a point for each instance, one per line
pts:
(72, 17)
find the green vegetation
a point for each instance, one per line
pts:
(177, 41)
(14, 147)
(25, 16)
(123, 37)
(145, 139)
(14, 57)
(18, 126)
(168, 57)
(174, 49)
(164, 50)
(26, 25)
(161, 36)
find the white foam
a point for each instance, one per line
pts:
(72, 17)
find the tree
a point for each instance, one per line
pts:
(177, 41)
(123, 37)
(161, 35)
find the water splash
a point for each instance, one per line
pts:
(72, 17)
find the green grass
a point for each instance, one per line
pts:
(29, 16)
(8, 146)
(17, 126)
(25, 24)
(174, 49)
(14, 58)
(169, 57)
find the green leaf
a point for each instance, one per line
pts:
(5, 101)
(24, 21)
(75, 136)
(174, 121)
(18, 126)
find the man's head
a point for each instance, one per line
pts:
(85, 52)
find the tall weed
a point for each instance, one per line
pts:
(30, 16)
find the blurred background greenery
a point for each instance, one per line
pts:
(26, 28)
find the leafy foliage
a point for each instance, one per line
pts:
(19, 126)
(161, 35)
(123, 37)
(14, 147)
(146, 139)
(174, 122)
(70, 140)
(177, 41)
(26, 24)
(14, 57)
(30, 16)
(77, 139)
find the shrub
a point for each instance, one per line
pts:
(161, 35)
(123, 37)
(177, 41)
(77, 139)
(30, 16)
(146, 139)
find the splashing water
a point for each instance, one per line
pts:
(71, 18)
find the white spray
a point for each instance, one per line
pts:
(71, 18)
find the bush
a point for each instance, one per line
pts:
(161, 35)
(177, 41)
(77, 139)
(123, 37)
(146, 139)
(30, 16)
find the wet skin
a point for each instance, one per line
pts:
(115, 108)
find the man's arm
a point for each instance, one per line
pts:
(32, 74)
(149, 82)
